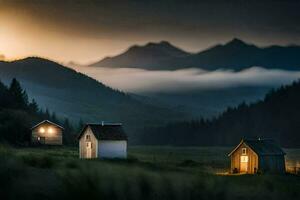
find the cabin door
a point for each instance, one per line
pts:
(244, 164)
(88, 149)
(41, 140)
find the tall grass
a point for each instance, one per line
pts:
(115, 182)
(58, 174)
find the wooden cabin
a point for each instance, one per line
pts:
(47, 133)
(104, 140)
(257, 156)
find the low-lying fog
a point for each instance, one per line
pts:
(141, 81)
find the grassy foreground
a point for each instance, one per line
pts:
(149, 173)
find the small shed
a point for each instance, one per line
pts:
(104, 140)
(257, 155)
(47, 133)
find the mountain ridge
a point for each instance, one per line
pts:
(235, 55)
(149, 54)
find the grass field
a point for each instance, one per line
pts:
(149, 173)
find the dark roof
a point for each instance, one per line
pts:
(262, 147)
(106, 131)
(47, 122)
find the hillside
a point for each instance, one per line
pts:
(277, 117)
(76, 96)
(235, 55)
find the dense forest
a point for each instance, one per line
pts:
(18, 114)
(277, 116)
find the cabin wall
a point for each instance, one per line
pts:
(252, 165)
(112, 149)
(272, 164)
(54, 138)
(83, 144)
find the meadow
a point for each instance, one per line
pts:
(151, 172)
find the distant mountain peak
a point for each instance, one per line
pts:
(162, 43)
(162, 48)
(237, 42)
(151, 54)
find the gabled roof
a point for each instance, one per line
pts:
(48, 122)
(261, 147)
(106, 131)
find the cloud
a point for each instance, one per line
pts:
(141, 81)
(2, 57)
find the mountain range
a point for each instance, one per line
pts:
(76, 96)
(235, 55)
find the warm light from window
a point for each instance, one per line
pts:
(244, 159)
(42, 130)
(50, 130)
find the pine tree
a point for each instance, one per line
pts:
(68, 133)
(54, 118)
(33, 106)
(25, 98)
(2, 86)
(4, 96)
(20, 98)
(47, 114)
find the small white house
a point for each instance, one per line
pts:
(105, 140)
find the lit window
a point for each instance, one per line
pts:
(244, 159)
(50, 130)
(89, 145)
(244, 151)
(42, 130)
(38, 138)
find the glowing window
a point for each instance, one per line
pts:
(42, 130)
(50, 130)
(244, 151)
(244, 159)
(89, 145)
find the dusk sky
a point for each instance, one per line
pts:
(86, 31)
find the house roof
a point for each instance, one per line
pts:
(48, 122)
(106, 131)
(261, 147)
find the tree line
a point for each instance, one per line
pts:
(277, 116)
